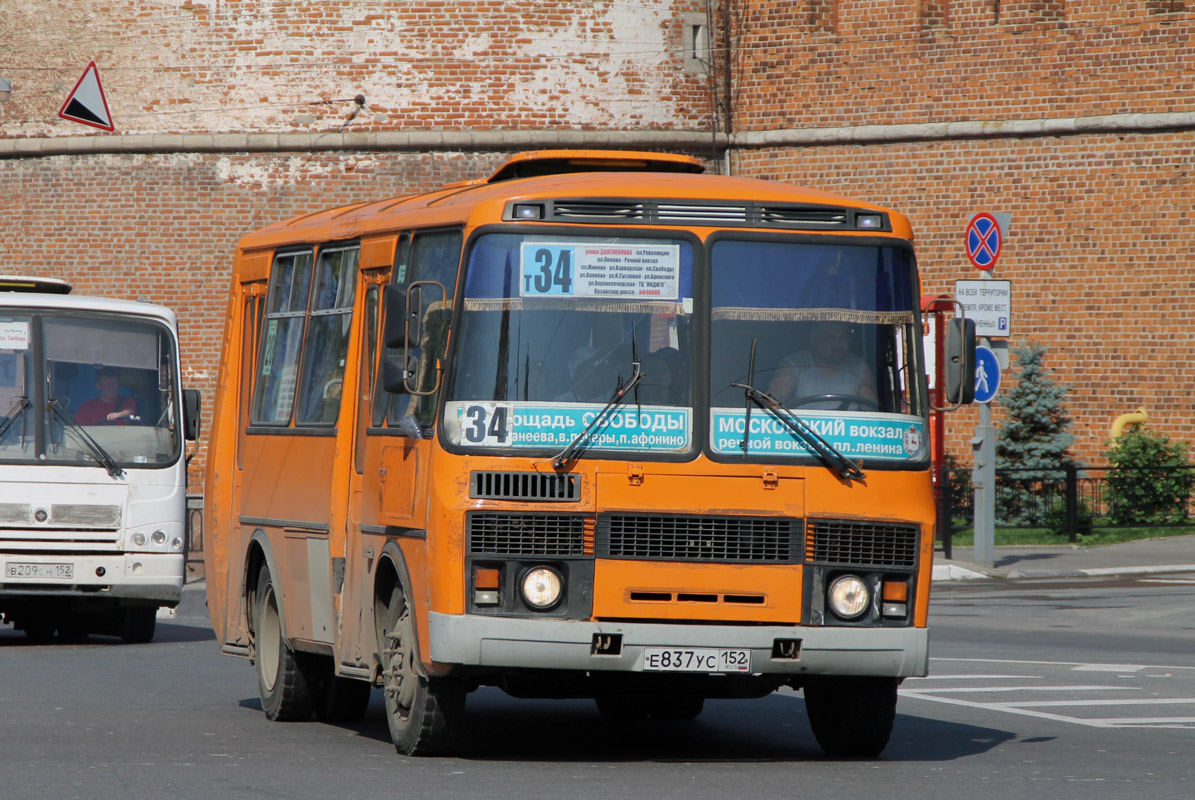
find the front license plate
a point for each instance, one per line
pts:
(53, 572)
(695, 659)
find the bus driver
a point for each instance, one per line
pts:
(111, 407)
(827, 374)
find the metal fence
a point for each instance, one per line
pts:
(1070, 500)
(194, 542)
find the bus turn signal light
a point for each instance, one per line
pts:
(485, 586)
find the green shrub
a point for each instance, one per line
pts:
(1150, 480)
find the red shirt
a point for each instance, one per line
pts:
(95, 412)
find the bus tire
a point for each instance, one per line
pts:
(283, 682)
(421, 712)
(137, 625)
(852, 716)
(339, 699)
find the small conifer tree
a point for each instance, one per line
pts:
(1034, 442)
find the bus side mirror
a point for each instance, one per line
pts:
(394, 328)
(191, 414)
(960, 361)
(394, 374)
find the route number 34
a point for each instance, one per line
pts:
(549, 271)
(486, 424)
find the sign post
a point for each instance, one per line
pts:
(991, 302)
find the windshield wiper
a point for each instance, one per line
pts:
(581, 441)
(99, 453)
(830, 456)
(13, 415)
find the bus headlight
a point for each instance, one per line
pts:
(139, 539)
(849, 597)
(542, 588)
(158, 537)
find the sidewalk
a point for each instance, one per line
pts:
(1170, 554)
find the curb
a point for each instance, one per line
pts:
(954, 572)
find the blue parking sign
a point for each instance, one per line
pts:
(987, 374)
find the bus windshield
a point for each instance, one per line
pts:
(552, 326)
(87, 390)
(827, 330)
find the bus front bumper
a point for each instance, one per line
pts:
(506, 642)
(155, 577)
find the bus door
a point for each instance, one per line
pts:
(388, 485)
(292, 436)
(351, 575)
(251, 308)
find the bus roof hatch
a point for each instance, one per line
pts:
(22, 283)
(557, 162)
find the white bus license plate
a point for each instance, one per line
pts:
(693, 659)
(53, 572)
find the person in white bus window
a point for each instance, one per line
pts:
(111, 407)
(826, 374)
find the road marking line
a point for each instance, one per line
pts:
(1084, 703)
(1050, 663)
(1007, 710)
(978, 677)
(980, 689)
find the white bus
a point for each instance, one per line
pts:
(92, 465)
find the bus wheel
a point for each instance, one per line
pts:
(282, 681)
(851, 716)
(421, 712)
(137, 625)
(339, 699)
(678, 706)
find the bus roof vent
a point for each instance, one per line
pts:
(803, 216)
(525, 486)
(703, 214)
(558, 162)
(22, 283)
(729, 214)
(600, 211)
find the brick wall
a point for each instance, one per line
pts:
(1099, 252)
(283, 66)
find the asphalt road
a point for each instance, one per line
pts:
(1075, 688)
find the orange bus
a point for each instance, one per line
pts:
(599, 425)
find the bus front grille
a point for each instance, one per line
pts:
(543, 535)
(741, 540)
(525, 486)
(861, 543)
(60, 516)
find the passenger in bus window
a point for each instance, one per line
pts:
(826, 374)
(111, 407)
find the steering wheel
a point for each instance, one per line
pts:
(844, 401)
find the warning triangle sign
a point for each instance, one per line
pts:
(86, 102)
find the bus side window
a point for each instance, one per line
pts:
(434, 257)
(278, 354)
(384, 403)
(368, 358)
(327, 340)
